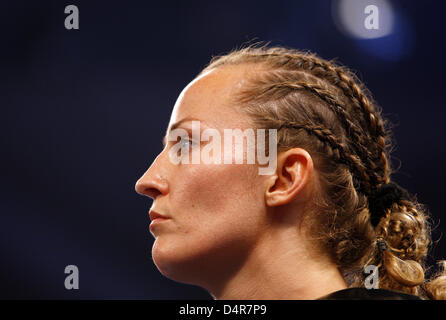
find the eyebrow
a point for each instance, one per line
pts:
(176, 125)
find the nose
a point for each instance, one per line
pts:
(152, 184)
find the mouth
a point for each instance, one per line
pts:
(157, 216)
(156, 219)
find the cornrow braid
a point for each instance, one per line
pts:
(336, 75)
(369, 179)
(347, 82)
(290, 59)
(340, 152)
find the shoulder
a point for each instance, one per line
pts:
(368, 294)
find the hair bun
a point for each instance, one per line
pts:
(383, 198)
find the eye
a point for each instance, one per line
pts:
(186, 142)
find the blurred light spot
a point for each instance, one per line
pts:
(397, 46)
(393, 40)
(353, 17)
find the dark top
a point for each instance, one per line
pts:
(368, 294)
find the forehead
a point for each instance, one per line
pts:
(209, 98)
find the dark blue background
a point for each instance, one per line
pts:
(83, 113)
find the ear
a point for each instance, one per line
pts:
(293, 174)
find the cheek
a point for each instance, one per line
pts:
(215, 192)
(218, 217)
(213, 207)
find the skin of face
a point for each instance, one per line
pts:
(216, 211)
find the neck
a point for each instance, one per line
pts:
(281, 267)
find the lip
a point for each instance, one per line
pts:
(156, 216)
(156, 219)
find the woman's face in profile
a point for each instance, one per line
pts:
(214, 210)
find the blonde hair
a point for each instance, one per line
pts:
(324, 108)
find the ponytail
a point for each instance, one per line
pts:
(405, 231)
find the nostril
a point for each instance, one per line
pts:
(152, 193)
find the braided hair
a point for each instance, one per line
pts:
(324, 108)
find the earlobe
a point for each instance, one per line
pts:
(293, 174)
(270, 191)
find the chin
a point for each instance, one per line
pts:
(174, 264)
